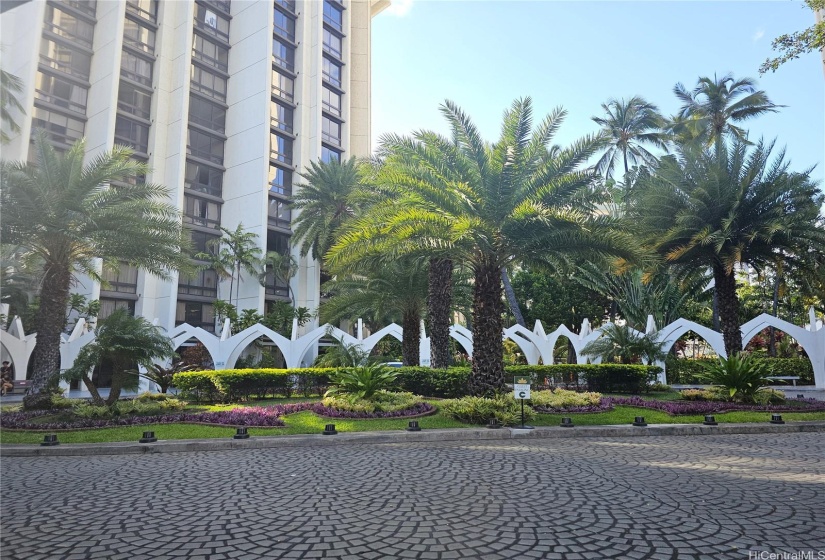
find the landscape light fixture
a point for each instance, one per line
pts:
(566, 422)
(241, 433)
(777, 419)
(413, 427)
(494, 424)
(800, 396)
(148, 437)
(640, 421)
(710, 420)
(329, 430)
(50, 439)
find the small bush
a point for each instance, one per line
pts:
(479, 410)
(447, 383)
(698, 395)
(562, 399)
(769, 396)
(659, 388)
(740, 374)
(381, 401)
(147, 396)
(59, 402)
(362, 382)
(87, 410)
(683, 371)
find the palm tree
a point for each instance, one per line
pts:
(69, 215)
(324, 203)
(718, 103)
(10, 85)
(283, 267)
(122, 340)
(486, 206)
(727, 207)
(237, 250)
(626, 126)
(619, 343)
(384, 293)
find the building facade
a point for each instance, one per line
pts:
(226, 100)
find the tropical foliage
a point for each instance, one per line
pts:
(620, 343)
(740, 374)
(362, 382)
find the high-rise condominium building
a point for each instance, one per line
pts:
(227, 100)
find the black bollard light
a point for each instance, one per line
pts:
(50, 440)
(494, 424)
(777, 419)
(800, 396)
(148, 437)
(329, 430)
(710, 420)
(640, 421)
(566, 422)
(413, 426)
(241, 433)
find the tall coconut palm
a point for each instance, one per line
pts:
(626, 127)
(726, 207)
(68, 215)
(324, 202)
(237, 250)
(486, 206)
(716, 104)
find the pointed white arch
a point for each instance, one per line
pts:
(675, 330)
(527, 341)
(303, 344)
(234, 346)
(185, 331)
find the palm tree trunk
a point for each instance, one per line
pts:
(411, 341)
(728, 308)
(772, 338)
(439, 303)
(716, 326)
(487, 376)
(51, 317)
(511, 298)
(119, 378)
(97, 400)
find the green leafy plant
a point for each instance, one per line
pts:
(381, 401)
(362, 382)
(561, 398)
(769, 396)
(740, 374)
(619, 343)
(479, 410)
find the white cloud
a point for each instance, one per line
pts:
(400, 8)
(758, 34)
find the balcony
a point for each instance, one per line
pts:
(134, 8)
(72, 106)
(213, 31)
(275, 122)
(65, 67)
(85, 6)
(68, 34)
(211, 61)
(289, 5)
(222, 5)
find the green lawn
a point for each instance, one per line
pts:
(309, 423)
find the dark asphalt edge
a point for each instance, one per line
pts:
(395, 437)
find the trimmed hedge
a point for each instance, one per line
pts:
(447, 383)
(687, 371)
(241, 384)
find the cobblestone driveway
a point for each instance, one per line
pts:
(658, 497)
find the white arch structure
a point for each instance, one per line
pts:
(536, 344)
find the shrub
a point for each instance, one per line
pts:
(479, 410)
(59, 402)
(769, 396)
(197, 386)
(381, 401)
(362, 382)
(698, 395)
(740, 375)
(146, 396)
(87, 410)
(659, 388)
(444, 383)
(561, 399)
(689, 372)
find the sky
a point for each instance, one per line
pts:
(579, 54)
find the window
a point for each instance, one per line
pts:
(196, 314)
(203, 283)
(68, 26)
(288, 4)
(280, 148)
(332, 43)
(332, 72)
(331, 101)
(202, 178)
(279, 213)
(328, 155)
(207, 114)
(59, 127)
(333, 16)
(281, 116)
(283, 55)
(132, 134)
(138, 35)
(65, 59)
(202, 242)
(147, 9)
(211, 53)
(87, 6)
(284, 25)
(134, 100)
(204, 146)
(201, 212)
(331, 131)
(123, 279)
(211, 22)
(280, 181)
(277, 241)
(283, 86)
(208, 83)
(62, 93)
(109, 306)
(136, 69)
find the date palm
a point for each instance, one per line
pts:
(10, 87)
(486, 206)
(725, 207)
(716, 104)
(69, 214)
(627, 126)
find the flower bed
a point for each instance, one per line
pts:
(420, 409)
(709, 407)
(603, 406)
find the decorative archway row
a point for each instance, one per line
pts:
(536, 344)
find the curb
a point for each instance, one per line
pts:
(397, 436)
